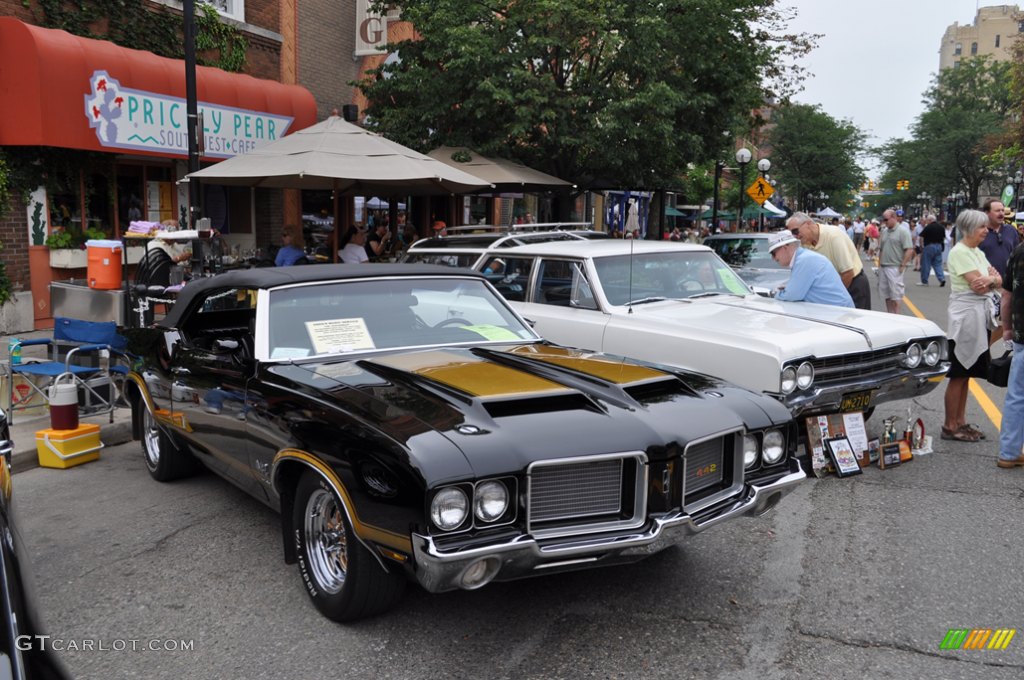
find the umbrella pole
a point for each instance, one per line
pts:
(334, 234)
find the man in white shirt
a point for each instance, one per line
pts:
(858, 233)
(354, 251)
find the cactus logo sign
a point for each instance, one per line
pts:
(124, 118)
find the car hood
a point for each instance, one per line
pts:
(503, 407)
(786, 329)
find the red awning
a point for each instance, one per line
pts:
(47, 78)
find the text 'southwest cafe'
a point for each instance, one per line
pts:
(61, 90)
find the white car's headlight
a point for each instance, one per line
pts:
(449, 508)
(774, 447)
(491, 501)
(912, 359)
(749, 450)
(932, 353)
(804, 375)
(788, 379)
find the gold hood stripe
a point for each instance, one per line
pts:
(616, 372)
(473, 375)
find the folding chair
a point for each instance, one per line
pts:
(89, 357)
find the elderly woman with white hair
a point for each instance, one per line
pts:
(972, 280)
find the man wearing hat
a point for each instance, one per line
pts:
(832, 242)
(813, 277)
(440, 228)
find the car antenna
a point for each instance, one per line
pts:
(630, 290)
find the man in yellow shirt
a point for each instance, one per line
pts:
(832, 242)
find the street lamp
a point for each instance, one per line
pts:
(743, 157)
(923, 198)
(958, 198)
(763, 166)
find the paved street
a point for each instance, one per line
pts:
(848, 578)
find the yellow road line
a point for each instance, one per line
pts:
(990, 409)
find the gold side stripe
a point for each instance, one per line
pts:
(363, 530)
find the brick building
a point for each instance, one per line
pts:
(109, 121)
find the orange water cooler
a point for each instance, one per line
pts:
(104, 271)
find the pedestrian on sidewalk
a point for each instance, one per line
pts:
(972, 280)
(896, 250)
(1011, 432)
(932, 238)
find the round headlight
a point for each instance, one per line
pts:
(774, 447)
(804, 375)
(449, 508)
(913, 357)
(491, 501)
(932, 353)
(788, 379)
(749, 450)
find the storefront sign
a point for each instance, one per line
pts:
(371, 30)
(124, 118)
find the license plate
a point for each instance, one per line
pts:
(857, 401)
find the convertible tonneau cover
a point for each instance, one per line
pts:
(271, 277)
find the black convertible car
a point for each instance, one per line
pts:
(407, 423)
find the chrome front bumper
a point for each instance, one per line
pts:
(439, 570)
(828, 398)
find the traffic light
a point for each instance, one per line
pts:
(902, 184)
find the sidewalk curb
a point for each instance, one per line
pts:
(25, 456)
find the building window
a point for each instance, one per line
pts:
(233, 9)
(974, 48)
(997, 40)
(1020, 26)
(958, 49)
(956, 64)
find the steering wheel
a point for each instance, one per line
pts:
(690, 285)
(452, 321)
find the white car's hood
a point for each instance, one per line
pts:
(799, 328)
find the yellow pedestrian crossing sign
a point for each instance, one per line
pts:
(760, 191)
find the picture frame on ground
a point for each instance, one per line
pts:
(874, 447)
(890, 456)
(840, 450)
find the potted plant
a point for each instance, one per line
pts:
(67, 247)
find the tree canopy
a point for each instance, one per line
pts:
(815, 153)
(602, 93)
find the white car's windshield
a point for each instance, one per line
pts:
(341, 317)
(666, 275)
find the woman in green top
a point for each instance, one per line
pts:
(972, 280)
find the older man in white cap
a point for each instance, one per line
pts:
(813, 277)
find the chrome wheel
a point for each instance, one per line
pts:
(150, 439)
(326, 543)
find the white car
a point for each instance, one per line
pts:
(679, 304)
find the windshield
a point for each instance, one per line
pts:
(340, 317)
(744, 252)
(681, 274)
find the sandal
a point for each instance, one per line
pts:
(970, 429)
(959, 435)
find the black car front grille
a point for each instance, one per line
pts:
(704, 465)
(582, 496)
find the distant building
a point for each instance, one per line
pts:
(993, 32)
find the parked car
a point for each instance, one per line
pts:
(466, 245)
(406, 422)
(25, 649)
(679, 304)
(748, 255)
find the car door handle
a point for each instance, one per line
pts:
(178, 370)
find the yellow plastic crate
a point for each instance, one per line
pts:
(67, 448)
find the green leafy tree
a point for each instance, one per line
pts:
(598, 92)
(813, 152)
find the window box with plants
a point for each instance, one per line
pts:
(67, 247)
